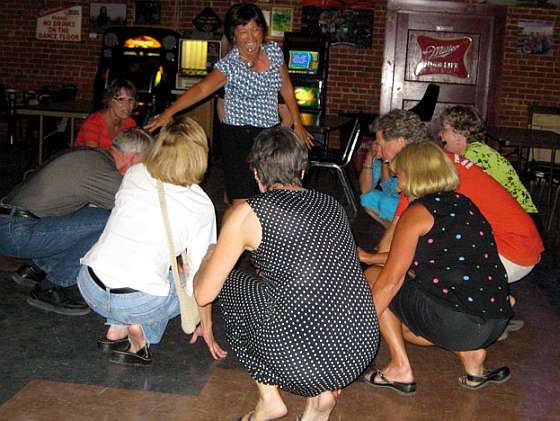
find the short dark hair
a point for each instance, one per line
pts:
(242, 14)
(278, 157)
(402, 123)
(114, 88)
(464, 120)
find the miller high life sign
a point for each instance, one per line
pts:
(443, 56)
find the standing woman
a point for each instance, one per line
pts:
(307, 324)
(99, 129)
(253, 73)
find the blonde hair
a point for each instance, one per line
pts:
(427, 169)
(180, 153)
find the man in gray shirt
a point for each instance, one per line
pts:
(59, 212)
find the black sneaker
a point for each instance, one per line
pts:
(57, 300)
(28, 275)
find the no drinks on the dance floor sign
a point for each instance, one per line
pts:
(60, 24)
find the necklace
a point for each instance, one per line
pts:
(251, 63)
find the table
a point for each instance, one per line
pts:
(525, 139)
(68, 109)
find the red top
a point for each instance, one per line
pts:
(517, 238)
(94, 129)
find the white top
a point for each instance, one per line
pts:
(132, 251)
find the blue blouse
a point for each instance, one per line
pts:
(251, 98)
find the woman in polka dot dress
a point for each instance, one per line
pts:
(443, 283)
(307, 324)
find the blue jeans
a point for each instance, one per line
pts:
(151, 311)
(54, 243)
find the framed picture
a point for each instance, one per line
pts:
(147, 12)
(266, 14)
(535, 37)
(281, 20)
(103, 15)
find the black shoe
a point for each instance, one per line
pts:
(142, 357)
(108, 345)
(28, 275)
(57, 300)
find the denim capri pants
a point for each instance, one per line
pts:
(151, 311)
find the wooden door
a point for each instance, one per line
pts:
(456, 45)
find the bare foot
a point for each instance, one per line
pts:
(136, 336)
(319, 408)
(116, 332)
(270, 405)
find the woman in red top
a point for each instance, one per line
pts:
(101, 127)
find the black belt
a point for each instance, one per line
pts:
(111, 290)
(13, 211)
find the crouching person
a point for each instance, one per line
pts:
(125, 277)
(443, 283)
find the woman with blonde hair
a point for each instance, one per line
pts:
(443, 283)
(126, 276)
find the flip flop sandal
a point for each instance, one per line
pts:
(405, 389)
(498, 376)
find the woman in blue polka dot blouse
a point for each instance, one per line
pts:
(443, 283)
(253, 73)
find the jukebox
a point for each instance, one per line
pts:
(306, 57)
(145, 56)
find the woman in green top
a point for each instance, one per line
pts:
(462, 130)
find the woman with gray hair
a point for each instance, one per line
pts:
(307, 323)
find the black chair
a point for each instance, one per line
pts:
(337, 160)
(427, 105)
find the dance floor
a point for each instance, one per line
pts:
(51, 369)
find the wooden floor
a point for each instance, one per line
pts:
(51, 370)
(531, 394)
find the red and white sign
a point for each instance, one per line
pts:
(443, 56)
(61, 24)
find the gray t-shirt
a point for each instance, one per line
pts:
(69, 182)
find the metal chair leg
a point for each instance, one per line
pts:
(553, 207)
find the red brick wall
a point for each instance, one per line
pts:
(528, 79)
(354, 74)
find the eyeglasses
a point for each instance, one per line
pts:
(124, 99)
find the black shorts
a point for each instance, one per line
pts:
(237, 142)
(441, 325)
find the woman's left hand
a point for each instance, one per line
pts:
(208, 336)
(304, 136)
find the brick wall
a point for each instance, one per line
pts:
(354, 74)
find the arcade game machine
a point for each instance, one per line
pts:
(306, 57)
(197, 57)
(145, 56)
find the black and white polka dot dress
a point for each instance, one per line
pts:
(308, 324)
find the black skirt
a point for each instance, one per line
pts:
(237, 142)
(441, 325)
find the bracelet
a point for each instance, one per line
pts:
(365, 167)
